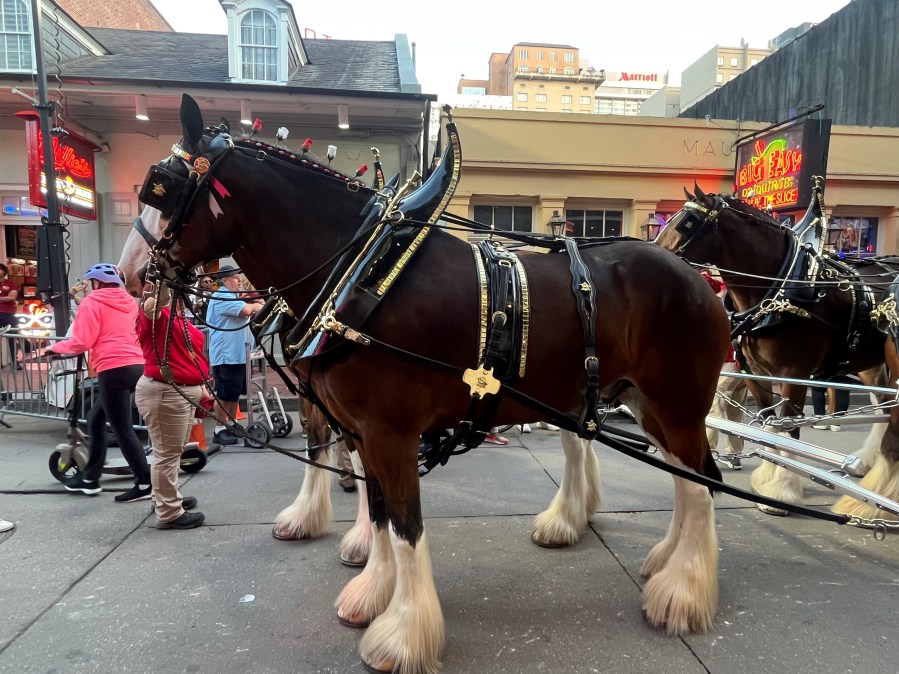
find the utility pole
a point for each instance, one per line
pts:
(53, 278)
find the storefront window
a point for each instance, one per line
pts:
(505, 218)
(595, 223)
(853, 236)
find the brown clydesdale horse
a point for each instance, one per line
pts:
(831, 333)
(661, 335)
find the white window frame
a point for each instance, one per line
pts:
(540, 98)
(521, 97)
(24, 51)
(566, 98)
(523, 54)
(569, 57)
(272, 49)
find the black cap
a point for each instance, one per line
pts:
(227, 270)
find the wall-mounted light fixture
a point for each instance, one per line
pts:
(651, 227)
(343, 117)
(246, 116)
(140, 107)
(556, 225)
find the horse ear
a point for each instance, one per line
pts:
(191, 120)
(225, 124)
(689, 196)
(699, 193)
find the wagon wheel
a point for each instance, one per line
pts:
(258, 435)
(62, 471)
(282, 425)
(193, 460)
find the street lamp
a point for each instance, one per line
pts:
(557, 225)
(651, 227)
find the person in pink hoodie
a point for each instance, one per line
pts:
(105, 326)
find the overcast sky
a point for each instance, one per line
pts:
(458, 37)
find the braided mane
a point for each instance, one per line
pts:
(303, 159)
(749, 209)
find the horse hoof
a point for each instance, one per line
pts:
(380, 668)
(353, 563)
(359, 623)
(284, 534)
(552, 546)
(768, 510)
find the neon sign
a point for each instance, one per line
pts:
(73, 159)
(776, 169)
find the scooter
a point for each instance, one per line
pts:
(71, 457)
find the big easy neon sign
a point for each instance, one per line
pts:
(73, 157)
(776, 169)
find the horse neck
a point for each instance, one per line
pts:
(746, 251)
(307, 220)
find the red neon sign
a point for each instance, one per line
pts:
(768, 170)
(73, 158)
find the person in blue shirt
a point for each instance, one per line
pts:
(226, 314)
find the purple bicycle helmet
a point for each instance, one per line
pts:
(104, 273)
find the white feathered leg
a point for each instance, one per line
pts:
(661, 552)
(777, 483)
(356, 543)
(577, 499)
(883, 479)
(870, 451)
(682, 595)
(310, 515)
(408, 637)
(367, 595)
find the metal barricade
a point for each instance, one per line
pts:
(34, 384)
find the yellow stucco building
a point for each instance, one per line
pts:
(609, 174)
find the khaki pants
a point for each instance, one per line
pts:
(168, 417)
(735, 389)
(344, 463)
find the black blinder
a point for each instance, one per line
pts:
(161, 189)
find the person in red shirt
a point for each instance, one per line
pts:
(166, 398)
(9, 303)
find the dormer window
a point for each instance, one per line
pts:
(258, 47)
(264, 44)
(15, 36)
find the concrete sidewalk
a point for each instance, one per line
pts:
(89, 585)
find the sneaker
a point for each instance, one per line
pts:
(186, 521)
(732, 461)
(494, 439)
(136, 493)
(78, 483)
(820, 427)
(225, 437)
(834, 428)
(525, 428)
(548, 426)
(6, 525)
